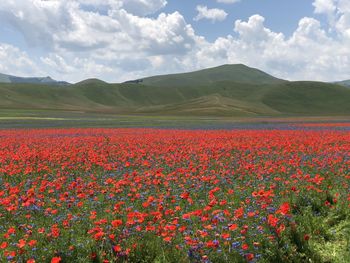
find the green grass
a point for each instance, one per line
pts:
(309, 98)
(12, 118)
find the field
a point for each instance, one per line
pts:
(175, 195)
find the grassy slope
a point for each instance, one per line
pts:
(312, 98)
(253, 93)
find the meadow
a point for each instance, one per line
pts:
(155, 195)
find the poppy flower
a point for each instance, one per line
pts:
(116, 223)
(3, 245)
(233, 227)
(56, 260)
(117, 248)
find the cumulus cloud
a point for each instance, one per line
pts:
(309, 54)
(342, 25)
(167, 34)
(108, 39)
(14, 61)
(324, 6)
(66, 25)
(253, 32)
(213, 14)
(338, 13)
(106, 34)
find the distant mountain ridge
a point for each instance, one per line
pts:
(345, 83)
(228, 90)
(32, 80)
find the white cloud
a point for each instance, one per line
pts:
(66, 25)
(213, 14)
(107, 39)
(343, 23)
(57, 62)
(253, 32)
(344, 6)
(324, 6)
(167, 34)
(100, 33)
(14, 61)
(327, 7)
(309, 54)
(338, 13)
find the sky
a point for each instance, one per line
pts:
(119, 40)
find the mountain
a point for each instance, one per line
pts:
(91, 82)
(237, 73)
(46, 80)
(4, 78)
(345, 83)
(229, 90)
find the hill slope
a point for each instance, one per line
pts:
(230, 90)
(220, 98)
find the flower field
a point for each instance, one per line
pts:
(148, 195)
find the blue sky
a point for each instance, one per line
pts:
(117, 40)
(281, 15)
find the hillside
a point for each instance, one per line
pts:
(221, 91)
(345, 83)
(33, 80)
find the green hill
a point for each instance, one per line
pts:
(223, 91)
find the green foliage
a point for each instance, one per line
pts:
(153, 249)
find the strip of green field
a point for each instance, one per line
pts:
(63, 119)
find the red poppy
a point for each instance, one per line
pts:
(3, 245)
(56, 260)
(117, 248)
(233, 227)
(116, 223)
